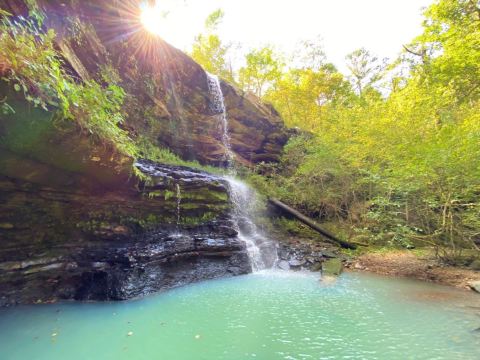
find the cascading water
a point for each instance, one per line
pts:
(179, 202)
(261, 250)
(218, 106)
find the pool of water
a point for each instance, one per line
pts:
(266, 315)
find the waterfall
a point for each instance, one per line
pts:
(179, 202)
(218, 106)
(261, 250)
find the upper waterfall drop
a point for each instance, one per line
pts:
(218, 106)
(261, 250)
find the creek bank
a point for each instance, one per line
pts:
(297, 252)
(400, 263)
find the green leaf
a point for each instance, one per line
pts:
(17, 87)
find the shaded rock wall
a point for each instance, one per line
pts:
(64, 243)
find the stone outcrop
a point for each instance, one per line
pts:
(67, 243)
(305, 254)
(168, 98)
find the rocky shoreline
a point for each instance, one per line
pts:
(296, 253)
(400, 263)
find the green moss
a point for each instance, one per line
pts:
(169, 194)
(155, 193)
(206, 195)
(199, 220)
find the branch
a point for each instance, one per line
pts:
(422, 54)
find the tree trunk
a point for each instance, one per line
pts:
(307, 221)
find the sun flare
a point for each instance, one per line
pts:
(169, 20)
(151, 18)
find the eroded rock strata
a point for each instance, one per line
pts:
(63, 243)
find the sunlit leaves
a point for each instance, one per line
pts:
(209, 51)
(263, 68)
(400, 168)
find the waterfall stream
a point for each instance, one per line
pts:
(179, 202)
(218, 106)
(261, 250)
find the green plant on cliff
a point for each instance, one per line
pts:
(34, 68)
(147, 150)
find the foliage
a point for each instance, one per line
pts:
(147, 150)
(365, 68)
(35, 69)
(400, 169)
(262, 69)
(209, 51)
(302, 95)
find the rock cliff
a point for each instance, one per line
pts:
(75, 222)
(62, 241)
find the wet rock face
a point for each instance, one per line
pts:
(66, 243)
(121, 269)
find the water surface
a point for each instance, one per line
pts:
(266, 315)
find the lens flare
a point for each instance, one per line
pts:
(171, 20)
(150, 19)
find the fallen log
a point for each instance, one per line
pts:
(312, 224)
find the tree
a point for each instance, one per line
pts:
(451, 40)
(304, 95)
(263, 68)
(209, 51)
(398, 169)
(365, 68)
(310, 54)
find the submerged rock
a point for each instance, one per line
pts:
(328, 280)
(332, 267)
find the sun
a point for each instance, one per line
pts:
(169, 20)
(150, 18)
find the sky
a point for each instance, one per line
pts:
(381, 26)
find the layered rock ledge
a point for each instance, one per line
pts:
(63, 243)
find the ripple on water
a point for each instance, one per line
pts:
(266, 315)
